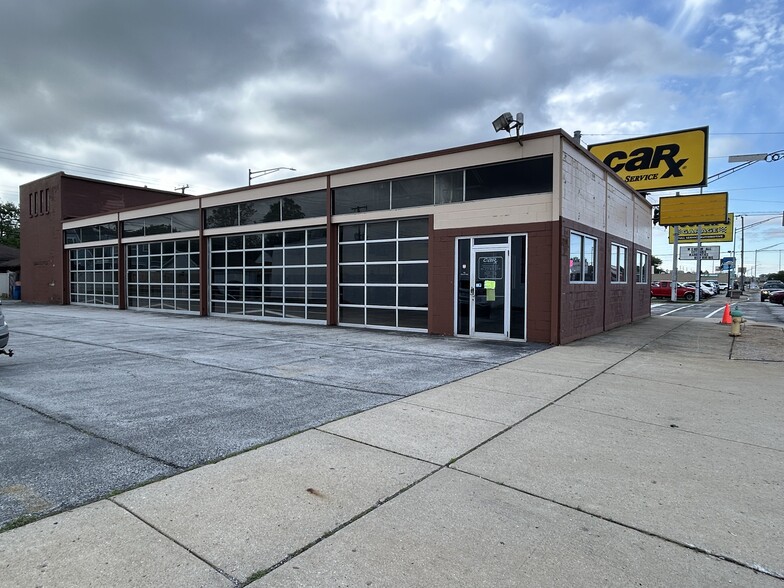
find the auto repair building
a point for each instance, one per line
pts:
(528, 238)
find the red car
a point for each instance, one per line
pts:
(777, 297)
(664, 290)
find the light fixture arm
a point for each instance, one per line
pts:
(264, 172)
(772, 156)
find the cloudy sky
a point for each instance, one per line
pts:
(171, 92)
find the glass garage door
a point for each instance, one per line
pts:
(164, 275)
(276, 274)
(93, 276)
(382, 274)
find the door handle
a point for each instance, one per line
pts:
(472, 291)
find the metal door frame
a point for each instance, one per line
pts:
(507, 249)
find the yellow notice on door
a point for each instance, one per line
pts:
(490, 290)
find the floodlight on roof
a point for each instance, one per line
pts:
(503, 122)
(507, 122)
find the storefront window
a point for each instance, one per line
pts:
(582, 258)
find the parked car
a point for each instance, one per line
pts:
(4, 335)
(777, 297)
(664, 290)
(713, 284)
(770, 286)
(706, 291)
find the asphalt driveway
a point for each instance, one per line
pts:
(96, 401)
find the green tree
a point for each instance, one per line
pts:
(779, 275)
(9, 224)
(656, 264)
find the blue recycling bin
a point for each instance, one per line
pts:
(16, 292)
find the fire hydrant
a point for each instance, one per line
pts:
(737, 319)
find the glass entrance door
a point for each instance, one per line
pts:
(489, 291)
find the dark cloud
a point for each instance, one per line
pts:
(200, 90)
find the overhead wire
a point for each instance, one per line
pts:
(53, 163)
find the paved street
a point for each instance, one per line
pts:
(749, 304)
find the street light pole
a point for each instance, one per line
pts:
(742, 267)
(756, 274)
(263, 172)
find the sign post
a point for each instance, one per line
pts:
(697, 290)
(674, 284)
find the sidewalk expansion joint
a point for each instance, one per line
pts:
(676, 428)
(385, 449)
(235, 582)
(343, 525)
(540, 409)
(704, 551)
(438, 468)
(405, 400)
(94, 435)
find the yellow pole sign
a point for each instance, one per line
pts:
(711, 233)
(693, 209)
(658, 162)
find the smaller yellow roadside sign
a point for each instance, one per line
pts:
(711, 233)
(659, 162)
(693, 209)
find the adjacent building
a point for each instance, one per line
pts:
(528, 238)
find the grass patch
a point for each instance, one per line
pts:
(19, 522)
(253, 577)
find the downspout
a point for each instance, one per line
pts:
(332, 260)
(605, 266)
(203, 260)
(556, 249)
(122, 270)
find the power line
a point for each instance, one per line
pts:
(39, 160)
(712, 133)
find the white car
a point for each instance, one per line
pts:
(706, 291)
(714, 285)
(3, 333)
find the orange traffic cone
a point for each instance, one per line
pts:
(726, 319)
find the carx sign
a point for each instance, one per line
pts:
(659, 162)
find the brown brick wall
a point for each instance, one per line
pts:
(619, 297)
(44, 272)
(641, 301)
(441, 292)
(582, 305)
(588, 309)
(85, 197)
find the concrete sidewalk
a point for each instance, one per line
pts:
(648, 455)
